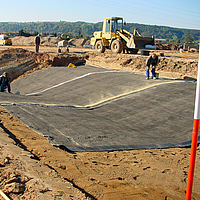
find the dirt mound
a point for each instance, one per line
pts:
(30, 41)
(47, 41)
(23, 176)
(78, 42)
(18, 62)
(168, 66)
(160, 46)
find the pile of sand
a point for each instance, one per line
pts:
(170, 66)
(79, 42)
(46, 41)
(30, 41)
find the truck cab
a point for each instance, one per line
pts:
(5, 40)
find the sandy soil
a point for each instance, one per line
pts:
(31, 168)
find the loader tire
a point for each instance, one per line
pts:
(99, 47)
(117, 46)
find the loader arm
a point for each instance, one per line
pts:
(123, 36)
(128, 38)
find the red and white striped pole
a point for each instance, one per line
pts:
(194, 136)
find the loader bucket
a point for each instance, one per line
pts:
(140, 42)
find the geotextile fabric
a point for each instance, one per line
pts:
(96, 109)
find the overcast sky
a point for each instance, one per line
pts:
(174, 13)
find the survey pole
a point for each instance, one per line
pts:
(194, 136)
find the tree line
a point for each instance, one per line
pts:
(83, 29)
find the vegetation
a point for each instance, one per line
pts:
(78, 29)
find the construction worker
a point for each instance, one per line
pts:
(4, 82)
(37, 43)
(1, 85)
(153, 61)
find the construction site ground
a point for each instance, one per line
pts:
(102, 104)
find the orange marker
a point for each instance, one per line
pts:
(194, 137)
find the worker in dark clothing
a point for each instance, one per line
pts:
(37, 43)
(153, 61)
(4, 82)
(1, 85)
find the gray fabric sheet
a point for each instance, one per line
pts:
(96, 109)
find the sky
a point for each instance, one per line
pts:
(173, 13)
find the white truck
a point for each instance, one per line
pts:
(5, 40)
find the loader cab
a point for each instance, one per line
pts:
(114, 25)
(111, 26)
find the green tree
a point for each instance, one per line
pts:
(79, 34)
(189, 39)
(87, 29)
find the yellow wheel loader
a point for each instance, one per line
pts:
(115, 37)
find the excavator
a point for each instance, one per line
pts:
(113, 36)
